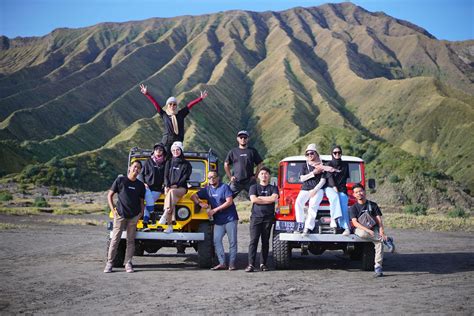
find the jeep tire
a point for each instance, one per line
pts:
(205, 247)
(120, 256)
(139, 248)
(281, 252)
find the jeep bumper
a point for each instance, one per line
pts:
(321, 238)
(165, 236)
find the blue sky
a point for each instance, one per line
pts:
(445, 19)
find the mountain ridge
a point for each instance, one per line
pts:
(281, 75)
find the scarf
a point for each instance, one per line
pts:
(158, 160)
(174, 121)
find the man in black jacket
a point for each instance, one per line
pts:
(153, 174)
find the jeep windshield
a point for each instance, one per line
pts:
(199, 171)
(294, 170)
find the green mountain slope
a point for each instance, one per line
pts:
(290, 77)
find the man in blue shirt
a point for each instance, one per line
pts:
(222, 208)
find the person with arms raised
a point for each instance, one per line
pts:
(173, 120)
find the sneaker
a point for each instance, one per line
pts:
(145, 227)
(129, 268)
(108, 268)
(333, 223)
(305, 232)
(250, 268)
(219, 267)
(378, 272)
(169, 229)
(346, 232)
(162, 220)
(263, 267)
(296, 229)
(232, 267)
(389, 244)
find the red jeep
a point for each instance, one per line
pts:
(325, 237)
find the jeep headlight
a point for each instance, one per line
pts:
(183, 213)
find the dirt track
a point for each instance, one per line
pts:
(57, 269)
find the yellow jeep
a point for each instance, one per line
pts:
(191, 228)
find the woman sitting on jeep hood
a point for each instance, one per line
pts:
(177, 173)
(313, 177)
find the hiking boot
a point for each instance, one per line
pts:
(346, 232)
(378, 272)
(169, 229)
(108, 268)
(129, 268)
(250, 268)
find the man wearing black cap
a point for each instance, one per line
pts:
(153, 176)
(243, 159)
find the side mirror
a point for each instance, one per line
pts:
(274, 181)
(372, 184)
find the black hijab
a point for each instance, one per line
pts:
(336, 162)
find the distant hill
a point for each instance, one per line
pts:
(325, 74)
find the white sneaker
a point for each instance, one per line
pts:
(305, 232)
(169, 230)
(129, 268)
(346, 232)
(108, 268)
(333, 223)
(162, 220)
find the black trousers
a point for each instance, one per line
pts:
(260, 228)
(237, 187)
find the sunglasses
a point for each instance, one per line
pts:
(337, 152)
(310, 153)
(243, 137)
(172, 103)
(211, 177)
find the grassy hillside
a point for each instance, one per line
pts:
(382, 87)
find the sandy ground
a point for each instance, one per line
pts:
(57, 269)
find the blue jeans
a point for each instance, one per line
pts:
(150, 198)
(219, 232)
(344, 219)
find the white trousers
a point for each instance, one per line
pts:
(314, 202)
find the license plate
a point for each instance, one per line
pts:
(284, 225)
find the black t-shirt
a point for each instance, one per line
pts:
(168, 130)
(263, 210)
(243, 161)
(313, 182)
(129, 194)
(357, 209)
